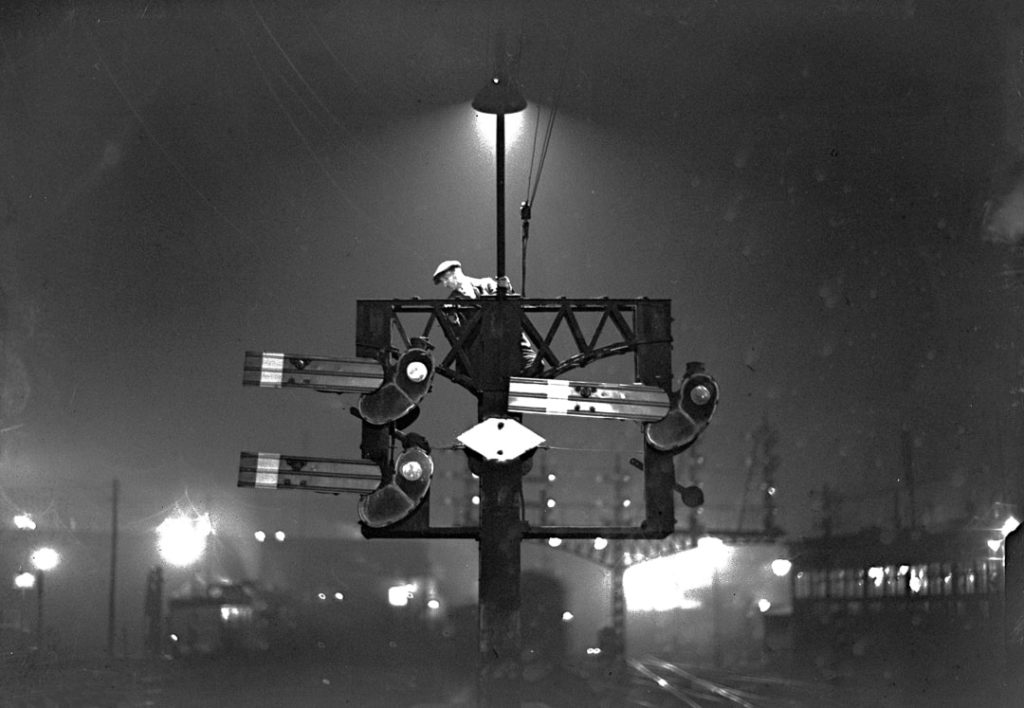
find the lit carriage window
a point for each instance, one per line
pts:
(895, 585)
(918, 581)
(947, 578)
(854, 584)
(876, 581)
(981, 576)
(801, 585)
(818, 580)
(835, 582)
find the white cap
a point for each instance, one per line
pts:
(445, 266)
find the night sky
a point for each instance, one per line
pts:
(807, 182)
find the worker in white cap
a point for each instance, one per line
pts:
(450, 275)
(464, 287)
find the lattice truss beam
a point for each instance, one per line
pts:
(565, 333)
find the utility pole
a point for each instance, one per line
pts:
(112, 600)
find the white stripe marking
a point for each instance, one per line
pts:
(271, 370)
(267, 466)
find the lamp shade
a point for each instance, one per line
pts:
(500, 96)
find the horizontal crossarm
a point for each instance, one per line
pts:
(320, 373)
(268, 470)
(587, 400)
(615, 332)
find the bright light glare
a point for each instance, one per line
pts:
(567, 616)
(398, 595)
(661, 584)
(279, 535)
(434, 604)
(45, 558)
(412, 471)
(554, 542)
(764, 605)
(1009, 526)
(781, 567)
(181, 539)
(24, 581)
(600, 543)
(994, 544)
(339, 596)
(24, 522)
(260, 536)
(486, 128)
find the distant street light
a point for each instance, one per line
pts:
(24, 581)
(24, 522)
(45, 558)
(181, 539)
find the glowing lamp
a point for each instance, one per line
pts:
(411, 470)
(499, 96)
(45, 558)
(416, 371)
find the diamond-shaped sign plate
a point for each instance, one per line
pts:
(500, 439)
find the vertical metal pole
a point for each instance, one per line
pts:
(501, 527)
(111, 603)
(653, 327)
(499, 154)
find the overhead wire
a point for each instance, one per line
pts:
(533, 183)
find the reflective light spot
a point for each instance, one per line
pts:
(600, 543)
(781, 567)
(412, 470)
(416, 371)
(554, 542)
(764, 605)
(568, 616)
(279, 535)
(260, 536)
